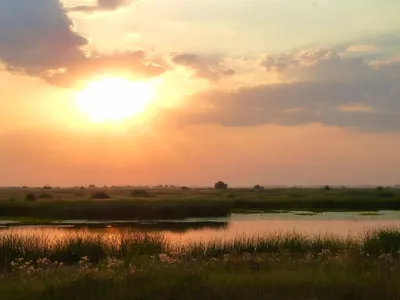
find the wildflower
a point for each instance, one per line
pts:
(165, 258)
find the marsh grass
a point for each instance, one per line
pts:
(125, 203)
(96, 247)
(104, 209)
(233, 278)
(149, 266)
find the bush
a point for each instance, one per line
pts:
(184, 188)
(45, 196)
(258, 187)
(100, 195)
(220, 185)
(386, 194)
(327, 188)
(30, 197)
(140, 193)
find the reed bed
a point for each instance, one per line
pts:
(71, 247)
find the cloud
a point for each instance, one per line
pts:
(321, 87)
(128, 64)
(37, 38)
(101, 5)
(284, 61)
(38, 35)
(208, 68)
(362, 48)
(354, 108)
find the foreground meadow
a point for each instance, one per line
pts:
(124, 203)
(148, 266)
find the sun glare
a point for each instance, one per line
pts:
(114, 99)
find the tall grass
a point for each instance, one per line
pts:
(231, 276)
(113, 209)
(71, 248)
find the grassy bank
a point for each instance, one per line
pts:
(128, 204)
(150, 267)
(234, 277)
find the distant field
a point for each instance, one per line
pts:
(168, 203)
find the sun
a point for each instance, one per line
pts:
(114, 99)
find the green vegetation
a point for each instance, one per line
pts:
(370, 213)
(69, 249)
(30, 197)
(126, 203)
(100, 195)
(140, 193)
(143, 266)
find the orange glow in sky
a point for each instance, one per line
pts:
(114, 99)
(249, 92)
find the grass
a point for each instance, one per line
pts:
(146, 266)
(169, 203)
(234, 277)
(72, 247)
(113, 209)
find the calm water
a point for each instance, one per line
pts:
(332, 223)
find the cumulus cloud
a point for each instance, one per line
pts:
(209, 68)
(321, 88)
(101, 5)
(38, 35)
(37, 38)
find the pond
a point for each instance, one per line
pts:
(328, 223)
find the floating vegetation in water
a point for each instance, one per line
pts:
(305, 213)
(371, 213)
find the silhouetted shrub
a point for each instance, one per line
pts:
(100, 195)
(140, 193)
(327, 188)
(220, 185)
(258, 187)
(30, 197)
(386, 194)
(184, 188)
(46, 187)
(45, 196)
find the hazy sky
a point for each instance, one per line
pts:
(246, 91)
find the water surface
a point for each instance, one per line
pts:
(329, 223)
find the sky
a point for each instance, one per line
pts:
(189, 92)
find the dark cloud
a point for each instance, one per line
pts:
(38, 35)
(37, 38)
(327, 85)
(204, 67)
(101, 5)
